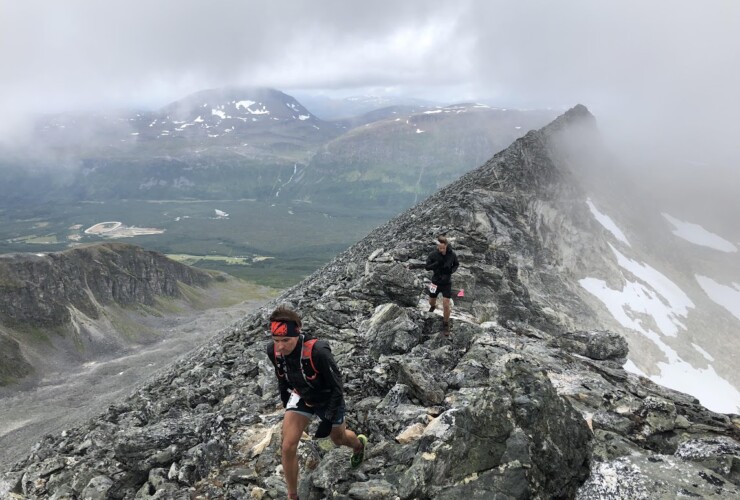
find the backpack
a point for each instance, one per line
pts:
(308, 369)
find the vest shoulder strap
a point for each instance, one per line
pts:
(310, 372)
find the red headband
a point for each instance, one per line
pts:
(285, 328)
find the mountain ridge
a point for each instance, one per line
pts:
(520, 402)
(61, 308)
(205, 144)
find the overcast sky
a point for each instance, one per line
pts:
(670, 68)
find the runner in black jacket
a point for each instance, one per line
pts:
(309, 386)
(443, 262)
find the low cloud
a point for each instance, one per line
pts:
(660, 76)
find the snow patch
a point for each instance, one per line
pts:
(696, 234)
(606, 221)
(713, 391)
(218, 113)
(704, 353)
(678, 301)
(419, 131)
(631, 367)
(654, 295)
(244, 104)
(728, 296)
(627, 304)
(304, 117)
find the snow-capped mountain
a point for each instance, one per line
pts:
(217, 113)
(260, 143)
(208, 117)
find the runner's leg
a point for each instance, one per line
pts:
(294, 424)
(341, 436)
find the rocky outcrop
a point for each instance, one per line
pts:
(520, 401)
(57, 308)
(12, 363)
(38, 290)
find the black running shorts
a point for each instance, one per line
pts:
(445, 290)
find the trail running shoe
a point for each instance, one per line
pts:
(432, 308)
(357, 457)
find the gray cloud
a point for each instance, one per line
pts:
(661, 76)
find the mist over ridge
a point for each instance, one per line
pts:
(658, 76)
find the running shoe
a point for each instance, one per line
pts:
(357, 457)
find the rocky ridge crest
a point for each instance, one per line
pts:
(518, 403)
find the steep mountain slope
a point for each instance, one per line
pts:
(519, 402)
(64, 308)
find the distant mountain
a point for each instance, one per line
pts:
(403, 154)
(206, 119)
(257, 143)
(81, 304)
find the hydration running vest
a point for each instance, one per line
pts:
(308, 369)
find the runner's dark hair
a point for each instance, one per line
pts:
(284, 313)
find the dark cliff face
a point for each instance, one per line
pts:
(520, 402)
(12, 364)
(39, 290)
(60, 308)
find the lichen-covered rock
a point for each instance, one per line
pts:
(390, 330)
(596, 344)
(374, 489)
(654, 477)
(97, 488)
(721, 454)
